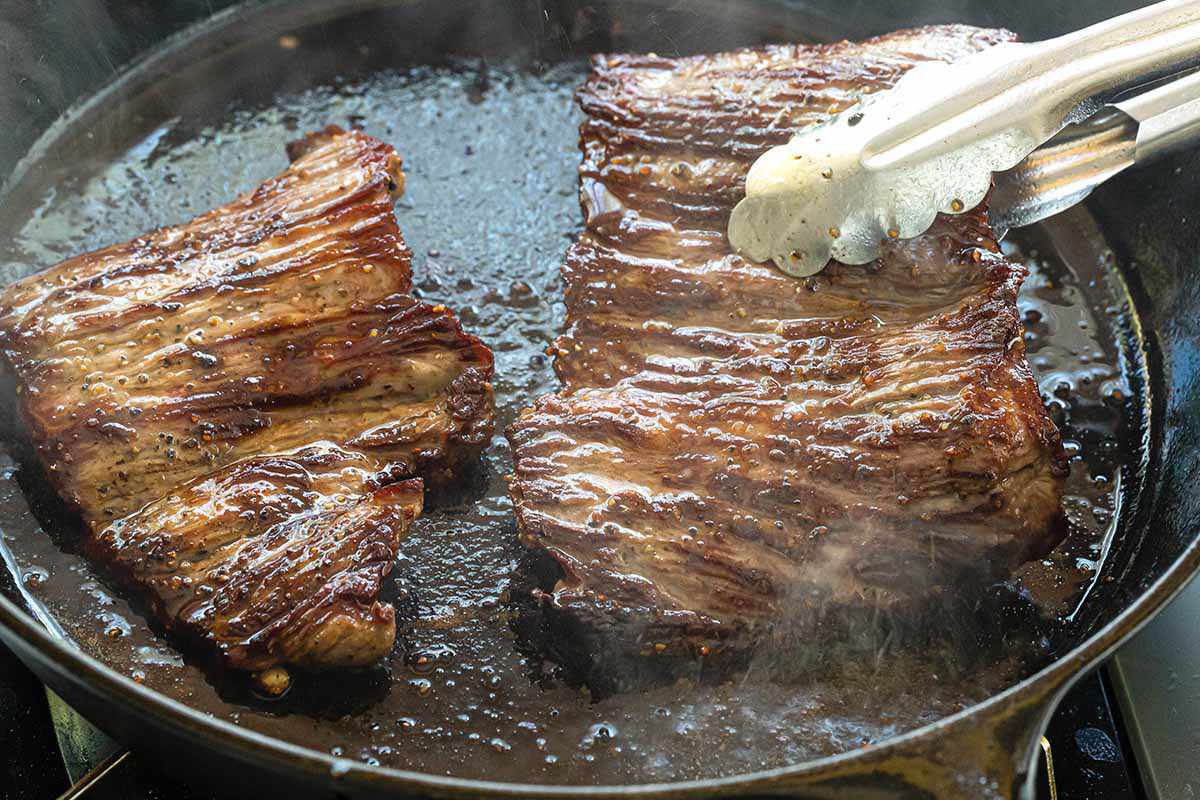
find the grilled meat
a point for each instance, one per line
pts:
(732, 445)
(274, 558)
(233, 405)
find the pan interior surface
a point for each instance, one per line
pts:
(485, 121)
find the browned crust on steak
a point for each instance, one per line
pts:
(730, 441)
(171, 380)
(272, 559)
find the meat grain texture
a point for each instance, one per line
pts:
(245, 409)
(732, 445)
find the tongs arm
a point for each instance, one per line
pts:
(1168, 117)
(1042, 87)
(1066, 169)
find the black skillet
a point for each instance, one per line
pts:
(986, 749)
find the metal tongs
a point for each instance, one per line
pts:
(885, 167)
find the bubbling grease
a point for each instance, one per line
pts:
(460, 695)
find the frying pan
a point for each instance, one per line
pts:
(62, 101)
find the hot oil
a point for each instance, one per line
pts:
(488, 211)
(1076, 337)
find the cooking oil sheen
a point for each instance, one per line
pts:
(488, 211)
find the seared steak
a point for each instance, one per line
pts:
(731, 444)
(271, 559)
(232, 404)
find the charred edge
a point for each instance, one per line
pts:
(959, 631)
(606, 653)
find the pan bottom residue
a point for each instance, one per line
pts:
(488, 211)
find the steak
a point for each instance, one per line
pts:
(244, 409)
(732, 445)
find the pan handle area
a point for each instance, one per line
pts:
(983, 753)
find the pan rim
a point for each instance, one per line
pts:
(1051, 680)
(1056, 677)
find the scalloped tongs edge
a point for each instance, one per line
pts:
(885, 167)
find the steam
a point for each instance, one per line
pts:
(950, 634)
